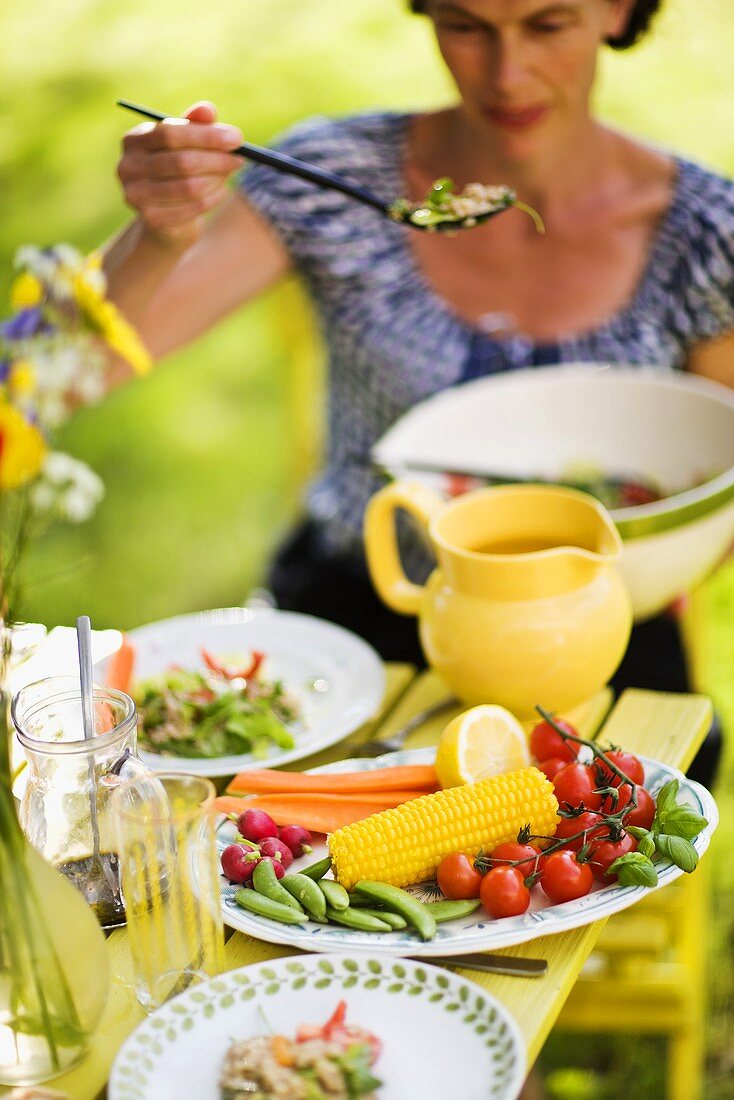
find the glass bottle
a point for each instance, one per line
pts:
(66, 805)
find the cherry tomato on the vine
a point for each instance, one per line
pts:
(603, 853)
(575, 784)
(504, 893)
(512, 850)
(563, 878)
(546, 742)
(610, 805)
(627, 763)
(644, 811)
(552, 766)
(569, 826)
(457, 877)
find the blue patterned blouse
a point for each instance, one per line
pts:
(393, 341)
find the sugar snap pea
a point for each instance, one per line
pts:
(307, 892)
(396, 922)
(358, 919)
(359, 901)
(336, 896)
(264, 907)
(451, 910)
(266, 884)
(317, 870)
(400, 901)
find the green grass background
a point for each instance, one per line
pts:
(198, 460)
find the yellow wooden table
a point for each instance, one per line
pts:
(668, 728)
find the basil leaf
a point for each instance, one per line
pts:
(637, 832)
(646, 846)
(683, 822)
(666, 797)
(634, 869)
(679, 851)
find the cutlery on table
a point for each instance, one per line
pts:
(379, 746)
(516, 966)
(284, 163)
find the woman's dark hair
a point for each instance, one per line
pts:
(637, 24)
(639, 21)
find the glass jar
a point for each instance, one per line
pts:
(65, 807)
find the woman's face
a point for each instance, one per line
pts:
(525, 68)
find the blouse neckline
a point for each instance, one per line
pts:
(665, 236)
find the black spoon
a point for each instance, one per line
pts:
(416, 215)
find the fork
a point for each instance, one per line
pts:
(378, 746)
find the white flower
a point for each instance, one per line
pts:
(69, 256)
(42, 497)
(90, 387)
(60, 468)
(39, 262)
(76, 505)
(66, 488)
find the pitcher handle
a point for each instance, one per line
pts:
(381, 543)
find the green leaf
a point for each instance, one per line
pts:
(646, 846)
(356, 1065)
(636, 831)
(684, 822)
(679, 851)
(634, 869)
(666, 797)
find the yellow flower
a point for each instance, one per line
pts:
(22, 448)
(104, 318)
(26, 291)
(22, 378)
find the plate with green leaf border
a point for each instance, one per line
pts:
(441, 1035)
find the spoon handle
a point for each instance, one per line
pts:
(283, 163)
(84, 645)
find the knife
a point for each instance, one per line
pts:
(491, 964)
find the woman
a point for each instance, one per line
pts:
(637, 264)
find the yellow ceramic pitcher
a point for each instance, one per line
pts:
(525, 606)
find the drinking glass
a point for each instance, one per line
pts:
(170, 883)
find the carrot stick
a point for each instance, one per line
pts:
(321, 813)
(419, 777)
(120, 666)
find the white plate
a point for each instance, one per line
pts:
(442, 1035)
(300, 649)
(477, 932)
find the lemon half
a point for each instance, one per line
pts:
(484, 741)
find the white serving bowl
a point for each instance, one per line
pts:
(653, 423)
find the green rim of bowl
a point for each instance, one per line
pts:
(706, 499)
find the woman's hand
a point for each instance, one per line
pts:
(174, 172)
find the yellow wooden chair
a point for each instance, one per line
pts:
(648, 973)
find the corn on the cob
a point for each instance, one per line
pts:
(406, 844)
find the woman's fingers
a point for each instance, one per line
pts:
(179, 133)
(175, 164)
(175, 171)
(174, 191)
(201, 111)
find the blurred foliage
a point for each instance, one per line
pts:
(197, 461)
